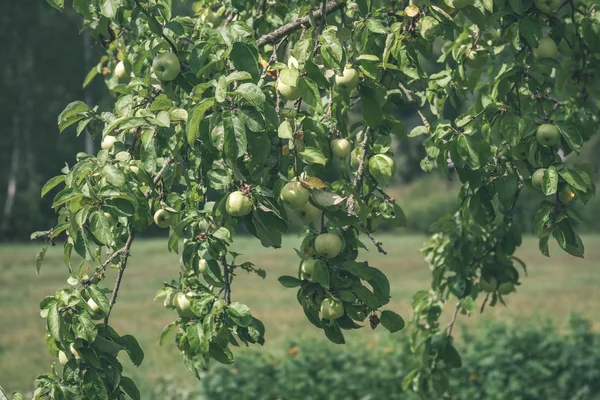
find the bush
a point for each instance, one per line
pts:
(499, 362)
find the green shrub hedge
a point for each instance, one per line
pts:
(499, 362)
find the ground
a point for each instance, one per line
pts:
(554, 288)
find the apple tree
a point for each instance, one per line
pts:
(233, 112)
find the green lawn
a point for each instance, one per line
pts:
(555, 287)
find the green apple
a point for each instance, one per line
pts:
(374, 164)
(565, 48)
(93, 306)
(506, 287)
(307, 270)
(332, 308)
(202, 266)
(166, 66)
(211, 17)
(355, 158)
(294, 195)
(536, 178)
(62, 357)
(182, 305)
(328, 245)
(548, 135)
(547, 6)
(341, 148)
(488, 286)
(309, 213)
(120, 71)
(287, 92)
(163, 218)
(348, 80)
(567, 194)
(74, 351)
(108, 142)
(238, 204)
(546, 48)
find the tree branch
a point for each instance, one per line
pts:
(272, 37)
(124, 251)
(453, 321)
(161, 34)
(408, 95)
(359, 172)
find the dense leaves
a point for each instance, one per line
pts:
(215, 126)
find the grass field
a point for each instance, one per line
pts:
(554, 288)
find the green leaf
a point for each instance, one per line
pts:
(222, 355)
(52, 183)
(375, 26)
(334, 333)
(531, 31)
(58, 4)
(74, 112)
(321, 274)
(331, 50)
(289, 281)
(53, 323)
(309, 91)
(473, 149)
(109, 9)
(252, 94)
(245, 58)
(550, 181)
(221, 90)
(234, 142)
(517, 6)
(99, 298)
(391, 321)
(240, 314)
(113, 175)
(381, 169)
(285, 130)
(571, 135)
(148, 153)
(418, 130)
(371, 111)
(236, 76)
(93, 387)
(312, 155)
(39, 258)
(136, 355)
(195, 117)
(167, 330)
(100, 228)
(130, 388)
(577, 179)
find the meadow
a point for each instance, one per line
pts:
(554, 288)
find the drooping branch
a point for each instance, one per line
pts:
(124, 251)
(278, 33)
(359, 172)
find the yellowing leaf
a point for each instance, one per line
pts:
(315, 182)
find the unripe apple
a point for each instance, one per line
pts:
(108, 142)
(309, 213)
(488, 286)
(476, 59)
(548, 6)
(536, 178)
(348, 80)
(548, 135)
(163, 218)
(287, 92)
(355, 158)
(374, 163)
(120, 71)
(567, 194)
(202, 266)
(341, 148)
(546, 48)
(166, 66)
(332, 308)
(211, 17)
(307, 270)
(328, 245)
(95, 307)
(506, 287)
(74, 351)
(62, 357)
(238, 204)
(182, 305)
(294, 195)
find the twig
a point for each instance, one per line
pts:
(359, 172)
(453, 321)
(124, 251)
(227, 283)
(408, 94)
(272, 37)
(161, 33)
(376, 242)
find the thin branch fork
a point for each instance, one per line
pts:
(124, 251)
(408, 95)
(453, 321)
(272, 37)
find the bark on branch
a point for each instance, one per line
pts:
(278, 33)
